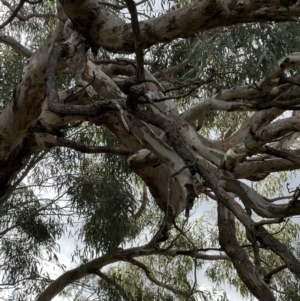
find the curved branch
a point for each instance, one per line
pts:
(278, 129)
(254, 141)
(70, 276)
(214, 104)
(256, 201)
(33, 2)
(270, 222)
(13, 15)
(254, 98)
(122, 255)
(15, 45)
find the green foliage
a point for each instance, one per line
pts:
(11, 66)
(27, 239)
(109, 206)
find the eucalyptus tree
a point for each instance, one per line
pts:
(104, 102)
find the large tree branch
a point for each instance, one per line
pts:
(22, 113)
(256, 170)
(254, 141)
(45, 141)
(123, 255)
(256, 202)
(239, 257)
(101, 24)
(25, 107)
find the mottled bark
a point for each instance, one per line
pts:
(162, 147)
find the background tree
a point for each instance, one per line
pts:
(192, 101)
